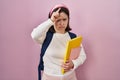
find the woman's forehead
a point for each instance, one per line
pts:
(63, 15)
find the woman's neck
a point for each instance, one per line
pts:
(62, 32)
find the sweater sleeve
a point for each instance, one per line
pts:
(39, 33)
(81, 59)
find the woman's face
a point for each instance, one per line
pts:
(61, 23)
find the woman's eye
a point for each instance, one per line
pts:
(64, 19)
(58, 20)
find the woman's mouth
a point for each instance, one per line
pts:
(61, 27)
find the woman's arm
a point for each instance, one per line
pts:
(39, 33)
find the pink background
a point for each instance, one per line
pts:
(98, 21)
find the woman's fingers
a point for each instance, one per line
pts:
(58, 10)
(55, 15)
(67, 66)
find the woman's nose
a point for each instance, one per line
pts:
(62, 22)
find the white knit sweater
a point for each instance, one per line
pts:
(54, 54)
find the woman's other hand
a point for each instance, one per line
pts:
(68, 65)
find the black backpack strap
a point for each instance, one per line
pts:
(45, 44)
(72, 35)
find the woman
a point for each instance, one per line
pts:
(53, 35)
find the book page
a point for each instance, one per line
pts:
(75, 52)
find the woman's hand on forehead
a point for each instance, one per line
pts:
(55, 15)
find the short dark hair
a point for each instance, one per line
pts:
(66, 11)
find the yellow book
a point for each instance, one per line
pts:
(71, 44)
